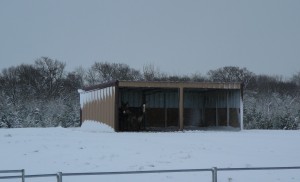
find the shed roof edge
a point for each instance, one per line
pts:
(166, 84)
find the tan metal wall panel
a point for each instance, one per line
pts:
(181, 106)
(99, 105)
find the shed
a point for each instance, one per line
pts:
(161, 106)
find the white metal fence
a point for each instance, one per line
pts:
(59, 176)
(22, 176)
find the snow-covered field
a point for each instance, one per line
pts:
(95, 148)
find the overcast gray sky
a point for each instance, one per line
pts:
(178, 36)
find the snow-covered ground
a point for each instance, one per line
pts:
(95, 148)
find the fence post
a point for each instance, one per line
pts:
(23, 175)
(214, 174)
(59, 176)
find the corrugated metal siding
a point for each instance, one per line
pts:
(219, 99)
(154, 99)
(132, 97)
(193, 100)
(211, 107)
(162, 99)
(99, 105)
(212, 99)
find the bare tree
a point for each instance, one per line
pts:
(231, 74)
(198, 77)
(9, 84)
(296, 79)
(105, 72)
(53, 74)
(149, 72)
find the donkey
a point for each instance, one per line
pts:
(132, 118)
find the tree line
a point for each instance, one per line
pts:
(44, 94)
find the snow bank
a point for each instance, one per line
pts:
(94, 126)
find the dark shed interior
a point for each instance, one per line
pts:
(211, 107)
(148, 109)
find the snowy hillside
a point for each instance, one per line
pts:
(95, 148)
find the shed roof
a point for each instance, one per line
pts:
(167, 84)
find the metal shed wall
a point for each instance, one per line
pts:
(99, 105)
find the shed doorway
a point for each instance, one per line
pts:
(148, 109)
(204, 108)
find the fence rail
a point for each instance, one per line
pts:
(214, 171)
(22, 176)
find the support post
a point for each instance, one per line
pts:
(227, 102)
(241, 113)
(116, 112)
(59, 176)
(23, 175)
(181, 105)
(217, 115)
(166, 118)
(214, 174)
